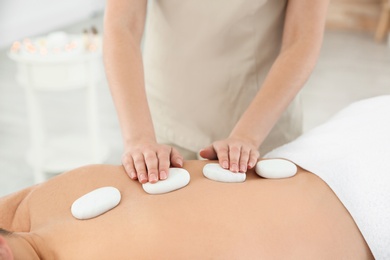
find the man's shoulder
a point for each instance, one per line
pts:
(13, 206)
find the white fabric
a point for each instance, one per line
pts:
(351, 153)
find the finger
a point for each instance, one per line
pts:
(234, 157)
(139, 165)
(163, 163)
(244, 159)
(253, 157)
(208, 153)
(176, 158)
(129, 167)
(223, 155)
(151, 162)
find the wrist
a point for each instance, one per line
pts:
(246, 137)
(130, 141)
(251, 129)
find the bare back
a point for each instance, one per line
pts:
(299, 217)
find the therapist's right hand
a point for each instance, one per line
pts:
(150, 161)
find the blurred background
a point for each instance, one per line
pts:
(354, 64)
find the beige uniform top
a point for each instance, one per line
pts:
(204, 63)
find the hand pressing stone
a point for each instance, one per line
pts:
(177, 178)
(215, 172)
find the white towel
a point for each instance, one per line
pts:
(351, 153)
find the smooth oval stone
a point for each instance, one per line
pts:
(96, 203)
(275, 168)
(177, 179)
(215, 172)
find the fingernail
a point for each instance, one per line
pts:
(242, 168)
(234, 168)
(179, 162)
(142, 178)
(225, 165)
(163, 175)
(152, 178)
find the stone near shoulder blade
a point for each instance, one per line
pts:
(177, 178)
(275, 168)
(215, 172)
(96, 203)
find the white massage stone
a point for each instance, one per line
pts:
(275, 168)
(96, 203)
(177, 178)
(215, 172)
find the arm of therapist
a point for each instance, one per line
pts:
(302, 39)
(144, 159)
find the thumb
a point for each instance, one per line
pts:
(208, 153)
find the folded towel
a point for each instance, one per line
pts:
(351, 153)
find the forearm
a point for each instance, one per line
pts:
(124, 69)
(302, 40)
(287, 76)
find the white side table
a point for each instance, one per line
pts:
(58, 73)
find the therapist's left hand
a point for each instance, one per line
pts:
(234, 154)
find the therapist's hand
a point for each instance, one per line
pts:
(150, 161)
(234, 154)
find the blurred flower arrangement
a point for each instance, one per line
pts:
(58, 44)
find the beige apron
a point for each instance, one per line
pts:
(205, 61)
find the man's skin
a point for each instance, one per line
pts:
(295, 218)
